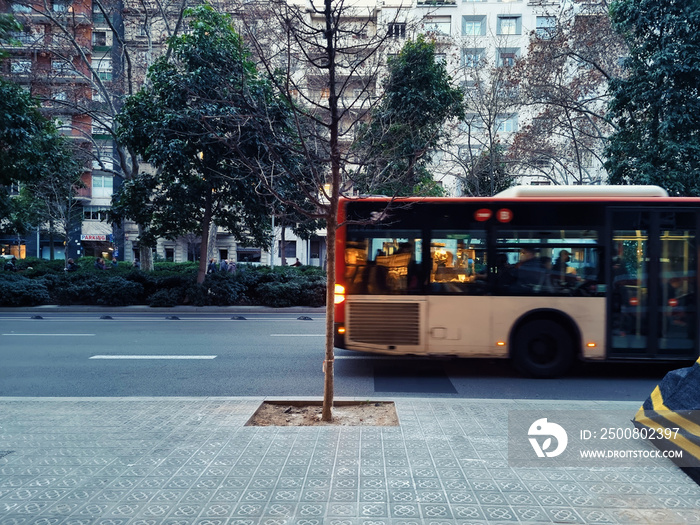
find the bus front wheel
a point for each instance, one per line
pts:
(543, 348)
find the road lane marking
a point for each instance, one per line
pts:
(153, 357)
(53, 335)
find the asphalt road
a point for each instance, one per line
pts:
(122, 353)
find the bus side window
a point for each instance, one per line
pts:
(458, 263)
(383, 265)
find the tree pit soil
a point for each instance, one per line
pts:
(308, 413)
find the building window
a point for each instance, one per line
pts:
(98, 18)
(546, 26)
(541, 163)
(507, 124)
(102, 185)
(21, 8)
(60, 6)
(472, 122)
(64, 125)
(95, 213)
(438, 24)
(103, 151)
(507, 56)
(472, 57)
(61, 66)
(25, 37)
(249, 255)
(474, 25)
(315, 247)
(20, 66)
(397, 30)
(290, 248)
(101, 127)
(508, 25)
(99, 38)
(102, 67)
(469, 153)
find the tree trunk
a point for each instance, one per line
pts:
(52, 254)
(211, 242)
(145, 252)
(328, 385)
(204, 247)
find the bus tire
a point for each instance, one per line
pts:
(543, 348)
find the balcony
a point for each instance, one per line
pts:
(436, 3)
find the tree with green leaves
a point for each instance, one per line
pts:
(23, 130)
(408, 124)
(656, 106)
(46, 167)
(8, 24)
(181, 122)
(490, 173)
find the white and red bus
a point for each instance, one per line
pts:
(541, 275)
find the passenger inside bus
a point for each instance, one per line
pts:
(565, 274)
(529, 270)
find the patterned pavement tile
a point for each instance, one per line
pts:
(191, 461)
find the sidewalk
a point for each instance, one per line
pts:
(168, 461)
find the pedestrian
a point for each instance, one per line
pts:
(223, 265)
(100, 264)
(212, 266)
(297, 263)
(136, 265)
(231, 266)
(71, 266)
(115, 263)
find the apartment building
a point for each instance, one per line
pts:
(81, 57)
(61, 55)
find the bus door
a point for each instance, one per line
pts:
(652, 302)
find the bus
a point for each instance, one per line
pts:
(544, 276)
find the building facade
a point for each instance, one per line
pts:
(80, 58)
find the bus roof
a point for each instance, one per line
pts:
(583, 191)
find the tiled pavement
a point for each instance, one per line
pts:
(158, 461)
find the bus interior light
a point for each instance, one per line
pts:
(500, 343)
(341, 329)
(591, 345)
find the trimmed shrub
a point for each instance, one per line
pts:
(171, 284)
(23, 292)
(117, 291)
(280, 295)
(222, 289)
(167, 297)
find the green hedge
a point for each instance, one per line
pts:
(39, 282)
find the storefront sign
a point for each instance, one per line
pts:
(93, 237)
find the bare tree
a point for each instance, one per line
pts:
(325, 60)
(492, 109)
(563, 82)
